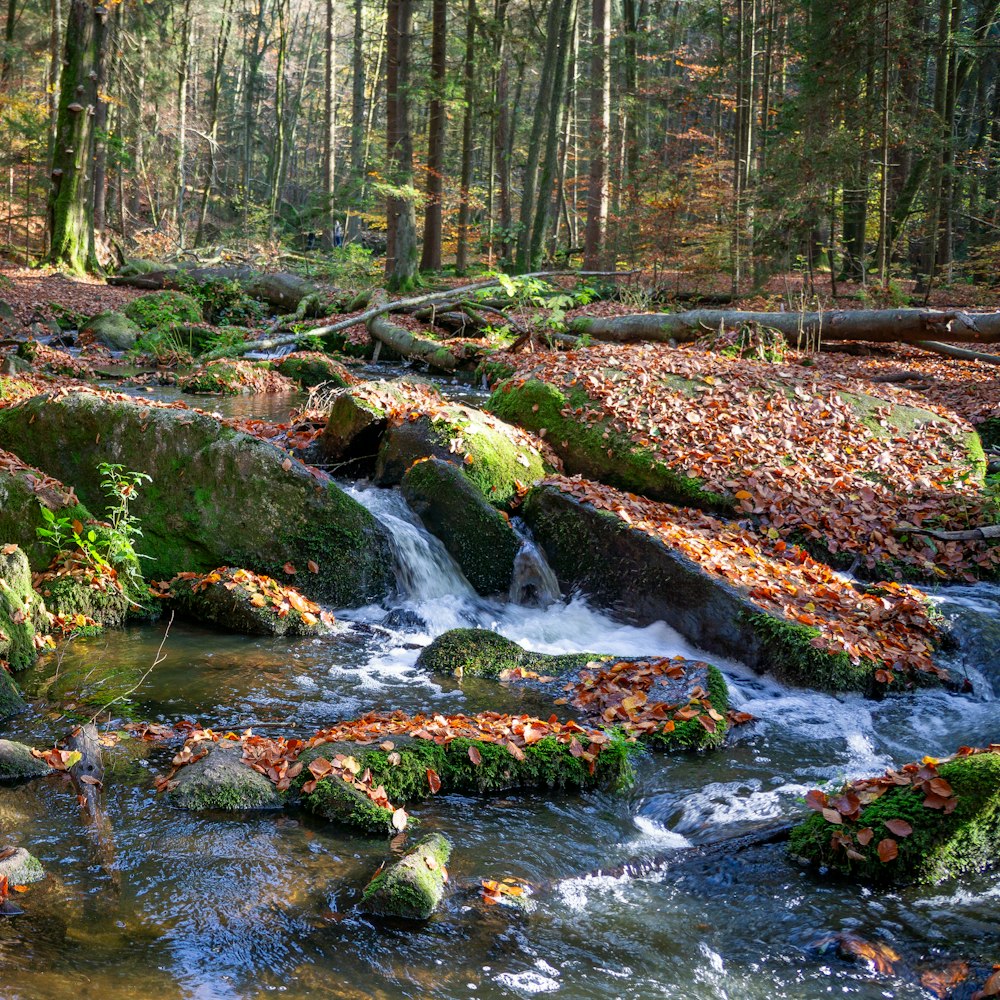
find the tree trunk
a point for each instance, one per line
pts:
(71, 201)
(431, 257)
(183, 75)
(877, 326)
(600, 129)
(330, 121)
(469, 76)
(101, 130)
(401, 255)
(7, 63)
(357, 107)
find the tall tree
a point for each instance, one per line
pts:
(600, 135)
(433, 211)
(330, 117)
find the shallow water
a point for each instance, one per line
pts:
(169, 904)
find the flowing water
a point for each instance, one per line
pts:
(168, 904)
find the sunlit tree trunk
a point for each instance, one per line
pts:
(431, 257)
(600, 135)
(469, 77)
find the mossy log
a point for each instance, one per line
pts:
(946, 840)
(412, 887)
(405, 344)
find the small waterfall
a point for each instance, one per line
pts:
(424, 569)
(534, 583)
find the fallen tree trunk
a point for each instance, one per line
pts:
(984, 533)
(407, 345)
(879, 325)
(88, 772)
(957, 352)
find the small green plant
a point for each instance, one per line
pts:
(112, 548)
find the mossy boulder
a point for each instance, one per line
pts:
(11, 700)
(234, 378)
(240, 601)
(22, 495)
(218, 497)
(592, 448)
(943, 844)
(643, 580)
(17, 763)
(670, 704)
(220, 781)
(160, 309)
(477, 652)
(92, 595)
(21, 868)
(478, 536)
(311, 368)
(23, 617)
(412, 887)
(113, 330)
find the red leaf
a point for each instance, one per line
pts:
(888, 850)
(433, 780)
(899, 827)
(475, 756)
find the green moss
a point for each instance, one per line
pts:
(220, 781)
(311, 369)
(593, 449)
(22, 613)
(412, 887)
(940, 847)
(475, 652)
(692, 735)
(479, 538)
(11, 701)
(113, 330)
(160, 309)
(18, 763)
(68, 596)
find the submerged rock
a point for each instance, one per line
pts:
(217, 497)
(240, 601)
(923, 823)
(218, 780)
(112, 330)
(479, 538)
(21, 868)
(17, 763)
(412, 887)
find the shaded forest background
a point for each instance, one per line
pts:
(860, 138)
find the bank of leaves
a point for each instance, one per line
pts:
(888, 622)
(791, 443)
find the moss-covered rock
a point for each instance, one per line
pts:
(92, 595)
(642, 578)
(219, 780)
(234, 377)
(478, 536)
(21, 868)
(11, 699)
(477, 652)
(17, 763)
(959, 834)
(240, 601)
(217, 497)
(311, 368)
(112, 330)
(592, 448)
(670, 704)
(158, 309)
(412, 887)
(23, 617)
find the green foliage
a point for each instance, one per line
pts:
(351, 266)
(223, 301)
(159, 309)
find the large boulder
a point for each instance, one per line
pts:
(219, 780)
(312, 368)
(163, 309)
(774, 609)
(217, 497)
(478, 536)
(18, 763)
(924, 822)
(412, 887)
(401, 422)
(23, 618)
(112, 330)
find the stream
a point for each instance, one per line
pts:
(171, 904)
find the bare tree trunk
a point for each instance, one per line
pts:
(101, 129)
(431, 258)
(183, 75)
(600, 130)
(330, 120)
(6, 63)
(469, 76)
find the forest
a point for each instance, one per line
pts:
(499, 498)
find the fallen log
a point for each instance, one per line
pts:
(984, 533)
(878, 325)
(407, 345)
(957, 352)
(88, 772)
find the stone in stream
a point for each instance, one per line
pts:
(412, 887)
(218, 497)
(641, 577)
(479, 537)
(23, 618)
(237, 600)
(220, 781)
(17, 763)
(235, 377)
(112, 330)
(311, 369)
(923, 823)
(670, 704)
(21, 868)
(398, 423)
